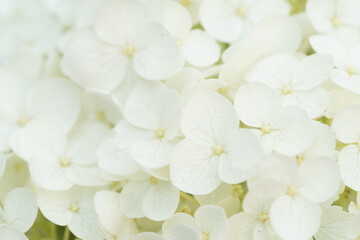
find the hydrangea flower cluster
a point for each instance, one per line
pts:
(179, 119)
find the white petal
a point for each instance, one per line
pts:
(349, 159)
(177, 219)
(241, 226)
(313, 101)
(292, 131)
(132, 197)
(200, 49)
(156, 52)
(329, 45)
(212, 220)
(193, 169)
(181, 232)
(346, 124)
(333, 223)
(343, 79)
(320, 13)
(256, 104)
(208, 117)
(21, 208)
(92, 63)
(295, 218)
(312, 71)
(88, 175)
(147, 236)
(242, 150)
(117, 21)
(352, 230)
(264, 8)
(161, 201)
(220, 20)
(9, 232)
(319, 178)
(177, 20)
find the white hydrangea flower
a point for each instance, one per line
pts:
(122, 39)
(209, 222)
(17, 214)
(196, 46)
(73, 208)
(254, 221)
(111, 218)
(346, 55)
(152, 196)
(287, 130)
(213, 150)
(328, 15)
(296, 82)
(340, 98)
(296, 214)
(34, 112)
(346, 125)
(227, 20)
(72, 161)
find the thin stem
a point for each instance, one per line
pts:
(53, 231)
(66, 234)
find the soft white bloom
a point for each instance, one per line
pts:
(287, 130)
(346, 125)
(73, 208)
(327, 15)
(352, 228)
(196, 46)
(228, 20)
(147, 195)
(209, 222)
(72, 161)
(213, 150)
(254, 221)
(296, 214)
(333, 224)
(17, 214)
(122, 39)
(346, 54)
(340, 98)
(111, 218)
(296, 82)
(34, 112)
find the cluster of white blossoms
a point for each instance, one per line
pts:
(179, 120)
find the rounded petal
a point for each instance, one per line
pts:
(161, 201)
(241, 226)
(320, 13)
(9, 232)
(242, 151)
(333, 224)
(208, 117)
(193, 169)
(116, 21)
(132, 198)
(212, 220)
(176, 19)
(200, 49)
(177, 219)
(147, 236)
(181, 232)
(349, 159)
(295, 218)
(346, 124)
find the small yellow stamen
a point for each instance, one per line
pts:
(74, 208)
(186, 3)
(205, 236)
(291, 191)
(160, 133)
(336, 22)
(263, 217)
(237, 190)
(178, 42)
(153, 180)
(65, 162)
(241, 12)
(218, 149)
(23, 121)
(186, 209)
(350, 70)
(299, 160)
(223, 90)
(129, 50)
(266, 129)
(286, 89)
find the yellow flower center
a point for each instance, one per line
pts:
(291, 191)
(160, 133)
(241, 11)
(65, 162)
(186, 209)
(263, 217)
(74, 208)
(350, 70)
(286, 89)
(218, 149)
(23, 121)
(205, 236)
(129, 50)
(266, 129)
(153, 180)
(223, 90)
(186, 3)
(336, 22)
